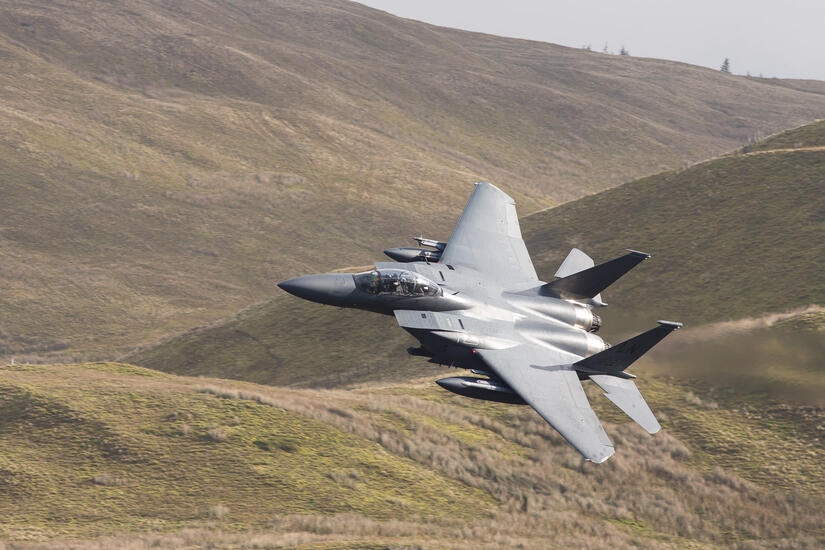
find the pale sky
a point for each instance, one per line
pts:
(774, 38)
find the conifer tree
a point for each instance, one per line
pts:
(725, 68)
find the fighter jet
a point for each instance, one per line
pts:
(475, 302)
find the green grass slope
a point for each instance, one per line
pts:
(104, 447)
(809, 136)
(112, 450)
(734, 237)
(162, 165)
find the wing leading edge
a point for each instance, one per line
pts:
(487, 238)
(553, 389)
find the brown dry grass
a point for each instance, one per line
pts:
(670, 490)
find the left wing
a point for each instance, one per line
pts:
(548, 383)
(487, 238)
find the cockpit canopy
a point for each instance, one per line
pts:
(398, 282)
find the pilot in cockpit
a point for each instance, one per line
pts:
(396, 282)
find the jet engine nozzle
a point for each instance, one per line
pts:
(587, 320)
(560, 310)
(596, 324)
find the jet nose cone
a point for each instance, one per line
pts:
(293, 286)
(327, 288)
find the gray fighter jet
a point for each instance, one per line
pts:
(475, 302)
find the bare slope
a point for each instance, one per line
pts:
(98, 449)
(734, 237)
(287, 341)
(162, 164)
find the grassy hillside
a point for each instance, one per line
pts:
(110, 449)
(287, 341)
(162, 165)
(734, 237)
(809, 136)
(103, 447)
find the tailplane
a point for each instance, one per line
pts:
(614, 360)
(625, 395)
(607, 370)
(586, 283)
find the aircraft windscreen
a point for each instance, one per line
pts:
(397, 282)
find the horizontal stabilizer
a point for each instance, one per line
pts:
(590, 282)
(617, 358)
(625, 395)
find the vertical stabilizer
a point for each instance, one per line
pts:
(587, 284)
(575, 262)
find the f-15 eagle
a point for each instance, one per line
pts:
(475, 302)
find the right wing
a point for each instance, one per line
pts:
(487, 238)
(547, 382)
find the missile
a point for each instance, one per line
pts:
(438, 245)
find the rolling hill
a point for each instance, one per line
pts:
(735, 237)
(109, 455)
(162, 165)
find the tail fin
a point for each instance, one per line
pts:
(588, 283)
(575, 262)
(616, 359)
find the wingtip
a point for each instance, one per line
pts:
(598, 459)
(643, 255)
(486, 186)
(674, 324)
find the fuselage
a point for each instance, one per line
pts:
(499, 319)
